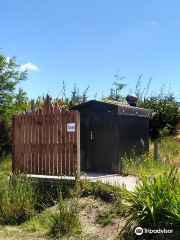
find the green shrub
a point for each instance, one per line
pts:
(17, 199)
(65, 221)
(154, 204)
(5, 135)
(105, 216)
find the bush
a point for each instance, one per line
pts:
(5, 135)
(166, 116)
(154, 204)
(18, 199)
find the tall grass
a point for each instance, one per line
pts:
(106, 192)
(5, 164)
(146, 162)
(65, 221)
(154, 204)
(169, 149)
(18, 199)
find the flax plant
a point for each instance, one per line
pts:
(154, 204)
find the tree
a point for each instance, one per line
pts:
(77, 98)
(11, 102)
(115, 92)
(10, 76)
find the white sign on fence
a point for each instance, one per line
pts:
(70, 127)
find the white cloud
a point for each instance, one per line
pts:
(29, 66)
(153, 22)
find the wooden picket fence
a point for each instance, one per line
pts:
(41, 143)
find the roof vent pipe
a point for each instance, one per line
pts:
(132, 99)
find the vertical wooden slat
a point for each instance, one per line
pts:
(59, 141)
(51, 121)
(14, 142)
(75, 143)
(26, 143)
(47, 135)
(63, 140)
(22, 169)
(71, 120)
(67, 144)
(29, 144)
(55, 140)
(19, 143)
(33, 140)
(40, 141)
(36, 164)
(78, 146)
(44, 139)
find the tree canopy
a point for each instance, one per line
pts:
(12, 101)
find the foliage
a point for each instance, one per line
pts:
(10, 76)
(146, 161)
(104, 191)
(5, 135)
(65, 221)
(5, 165)
(38, 222)
(115, 92)
(77, 98)
(154, 204)
(18, 198)
(166, 116)
(11, 102)
(67, 102)
(16, 105)
(105, 216)
(166, 112)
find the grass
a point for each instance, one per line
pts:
(146, 162)
(65, 221)
(106, 216)
(106, 192)
(39, 222)
(18, 199)
(169, 149)
(169, 154)
(5, 164)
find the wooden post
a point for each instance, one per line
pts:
(156, 149)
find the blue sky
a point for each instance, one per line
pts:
(87, 41)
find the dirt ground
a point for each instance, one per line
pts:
(91, 230)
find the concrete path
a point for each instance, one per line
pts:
(113, 179)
